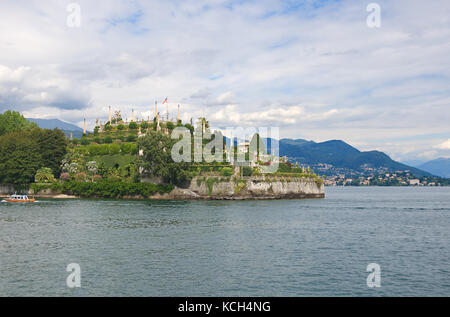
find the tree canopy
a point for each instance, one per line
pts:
(12, 121)
(156, 159)
(23, 153)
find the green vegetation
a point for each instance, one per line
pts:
(239, 185)
(44, 175)
(105, 189)
(106, 163)
(23, 153)
(226, 171)
(157, 160)
(12, 121)
(133, 125)
(210, 184)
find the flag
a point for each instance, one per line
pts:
(165, 100)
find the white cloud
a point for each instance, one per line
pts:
(444, 145)
(225, 98)
(317, 71)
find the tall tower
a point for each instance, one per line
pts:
(109, 114)
(158, 127)
(84, 127)
(178, 114)
(156, 109)
(132, 115)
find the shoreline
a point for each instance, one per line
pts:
(180, 198)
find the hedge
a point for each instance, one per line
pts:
(108, 189)
(105, 189)
(112, 149)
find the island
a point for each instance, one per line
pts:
(152, 158)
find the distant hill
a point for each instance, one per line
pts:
(341, 155)
(439, 167)
(66, 127)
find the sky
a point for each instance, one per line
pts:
(315, 69)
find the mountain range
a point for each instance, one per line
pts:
(336, 156)
(66, 127)
(330, 157)
(439, 167)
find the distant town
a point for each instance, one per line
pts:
(398, 178)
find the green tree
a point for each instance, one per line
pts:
(92, 167)
(44, 175)
(133, 125)
(53, 144)
(12, 121)
(157, 160)
(144, 125)
(85, 140)
(190, 127)
(20, 158)
(170, 126)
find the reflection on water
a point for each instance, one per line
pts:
(231, 248)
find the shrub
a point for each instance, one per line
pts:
(170, 126)
(80, 177)
(120, 127)
(85, 141)
(133, 125)
(108, 140)
(98, 149)
(108, 127)
(114, 149)
(114, 189)
(131, 138)
(247, 171)
(129, 148)
(226, 171)
(36, 188)
(144, 125)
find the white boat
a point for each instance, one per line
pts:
(19, 199)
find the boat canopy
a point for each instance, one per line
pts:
(19, 197)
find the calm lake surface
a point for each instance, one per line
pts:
(231, 248)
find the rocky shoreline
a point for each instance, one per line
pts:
(217, 188)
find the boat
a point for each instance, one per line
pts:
(19, 199)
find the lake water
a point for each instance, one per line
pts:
(231, 248)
